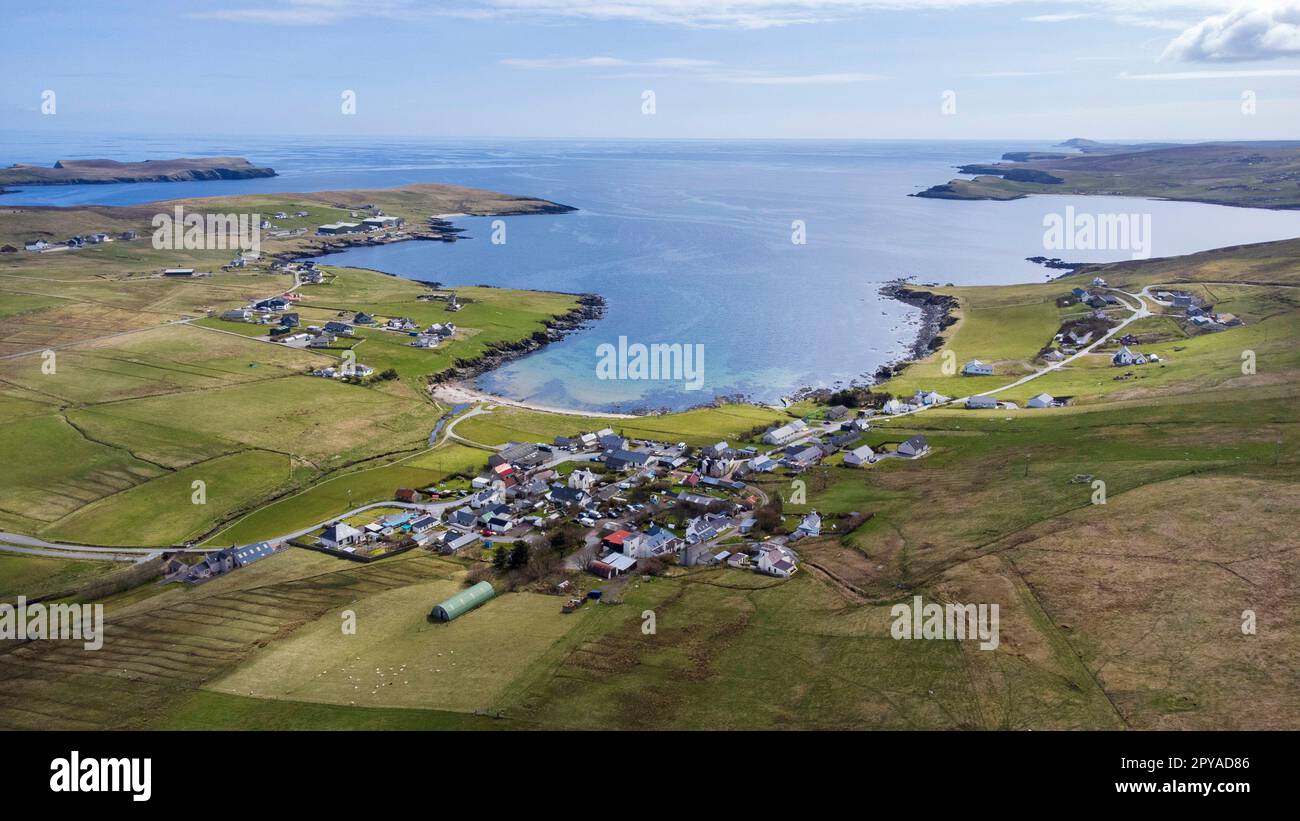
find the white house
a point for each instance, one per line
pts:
(582, 479)
(811, 525)
(340, 534)
(777, 561)
(1126, 357)
(977, 368)
(1042, 400)
(860, 456)
(785, 433)
(1099, 282)
(923, 397)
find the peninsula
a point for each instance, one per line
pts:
(94, 172)
(1250, 174)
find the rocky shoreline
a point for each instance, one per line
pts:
(591, 307)
(937, 315)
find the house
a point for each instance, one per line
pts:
(321, 340)
(977, 368)
(462, 517)
(454, 541)
(1079, 338)
(776, 560)
(860, 456)
(1226, 319)
(275, 303)
(810, 526)
(785, 433)
(406, 494)
(654, 541)
(914, 448)
(736, 559)
(894, 407)
(803, 456)
(625, 459)
(338, 328)
(981, 403)
(582, 479)
(568, 496)
(928, 398)
(706, 527)
(38, 245)
(615, 540)
(425, 341)
(762, 464)
(1054, 356)
(340, 534)
(423, 523)
(1098, 282)
(1042, 400)
(834, 412)
(1124, 357)
(363, 318)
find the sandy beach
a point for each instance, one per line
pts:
(457, 393)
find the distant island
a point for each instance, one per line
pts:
(95, 172)
(1248, 174)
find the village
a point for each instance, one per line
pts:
(587, 510)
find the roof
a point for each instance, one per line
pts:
(339, 531)
(618, 536)
(619, 562)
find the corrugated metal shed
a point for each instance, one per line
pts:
(463, 602)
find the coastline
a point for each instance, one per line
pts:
(937, 315)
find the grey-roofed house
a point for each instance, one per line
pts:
(916, 446)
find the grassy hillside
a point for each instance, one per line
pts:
(1263, 175)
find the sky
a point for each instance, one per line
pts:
(844, 69)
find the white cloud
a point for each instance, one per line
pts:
(1252, 32)
(605, 62)
(839, 78)
(1214, 75)
(732, 14)
(706, 70)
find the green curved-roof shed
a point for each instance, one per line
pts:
(463, 602)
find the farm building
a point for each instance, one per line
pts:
(463, 602)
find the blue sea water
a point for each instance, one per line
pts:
(689, 242)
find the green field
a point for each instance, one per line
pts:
(1119, 613)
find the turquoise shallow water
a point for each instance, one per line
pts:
(690, 243)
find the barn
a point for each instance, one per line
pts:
(463, 602)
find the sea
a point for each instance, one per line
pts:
(764, 257)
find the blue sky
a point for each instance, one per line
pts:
(1140, 69)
